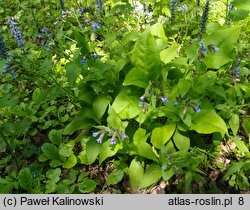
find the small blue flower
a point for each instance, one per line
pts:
(84, 59)
(63, 12)
(12, 73)
(93, 55)
(113, 141)
(164, 100)
(140, 104)
(216, 49)
(96, 26)
(95, 134)
(176, 103)
(142, 97)
(164, 168)
(123, 136)
(237, 68)
(183, 8)
(204, 50)
(238, 60)
(197, 109)
(202, 44)
(99, 140)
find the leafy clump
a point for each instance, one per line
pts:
(124, 97)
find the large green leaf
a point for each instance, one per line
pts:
(55, 136)
(135, 173)
(225, 40)
(146, 60)
(50, 151)
(162, 135)
(181, 142)
(81, 42)
(100, 105)
(242, 4)
(234, 123)
(7, 100)
(73, 71)
(93, 149)
(25, 179)
(86, 186)
(142, 147)
(108, 150)
(208, 121)
(126, 105)
(65, 149)
(115, 177)
(183, 87)
(70, 162)
(84, 120)
(169, 54)
(158, 30)
(152, 175)
(114, 120)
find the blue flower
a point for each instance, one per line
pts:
(123, 136)
(142, 97)
(113, 141)
(15, 30)
(204, 50)
(204, 18)
(12, 73)
(96, 57)
(216, 49)
(173, 5)
(183, 8)
(99, 140)
(197, 109)
(164, 100)
(202, 44)
(96, 26)
(176, 103)
(95, 134)
(238, 60)
(140, 103)
(45, 30)
(84, 59)
(99, 6)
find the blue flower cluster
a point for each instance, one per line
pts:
(197, 109)
(173, 4)
(113, 133)
(204, 18)
(92, 55)
(15, 30)
(183, 8)
(7, 70)
(211, 47)
(235, 74)
(46, 31)
(229, 9)
(99, 6)
(96, 26)
(3, 54)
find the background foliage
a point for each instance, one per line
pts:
(124, 96)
